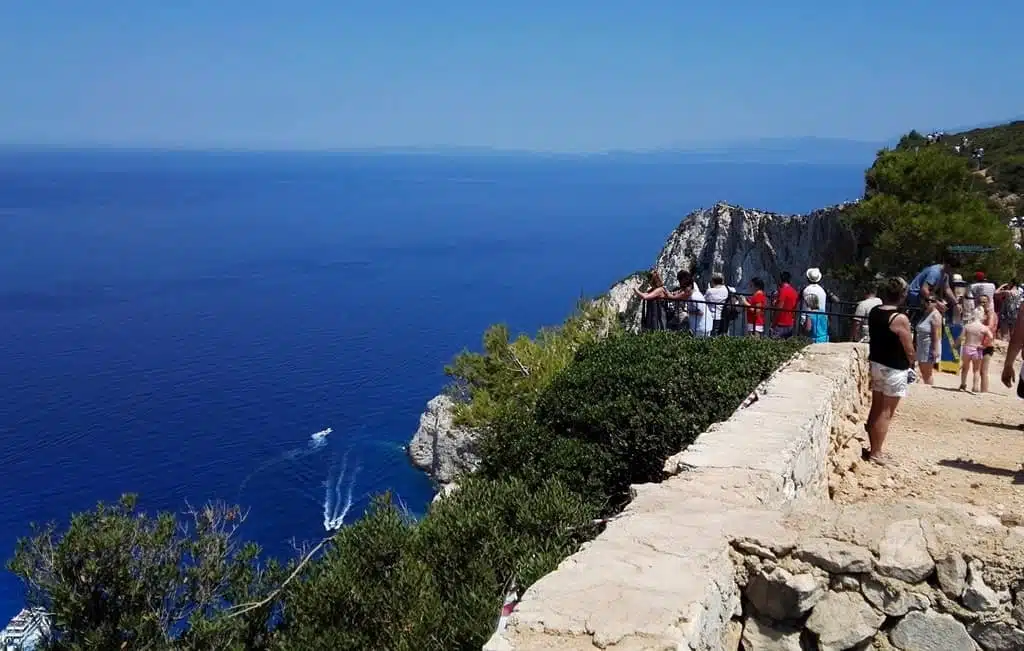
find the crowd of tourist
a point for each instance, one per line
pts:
(904, 325)
(717, 310)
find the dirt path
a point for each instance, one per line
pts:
(949, 446)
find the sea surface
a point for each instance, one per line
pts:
(179, 325)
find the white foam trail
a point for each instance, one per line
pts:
(316, 442)
(335, 510)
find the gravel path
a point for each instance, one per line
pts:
(950, 446)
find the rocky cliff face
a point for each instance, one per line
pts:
(738, 242)
(439, 448)
(742, 244)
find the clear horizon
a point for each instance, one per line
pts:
(566, 78)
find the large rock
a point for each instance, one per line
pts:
(835, 556)
(781, 595)
(762, 636)
(998, 635)
(843, 620)
(439, 448)
(903, 552)
(892, 597)
(978, 596)
(742, 244)
(930, 631)
(951, 570)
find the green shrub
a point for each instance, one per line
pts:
(489, 534)
(387, 583)
(119, 578)
(368, 591)
(640, 399)
(515, 371)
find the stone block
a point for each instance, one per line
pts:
(843, 620)
(903, 552)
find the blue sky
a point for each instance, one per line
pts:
(563, 75)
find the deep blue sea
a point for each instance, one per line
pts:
(179, 325)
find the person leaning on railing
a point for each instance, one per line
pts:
(655, 315)
(696, 306)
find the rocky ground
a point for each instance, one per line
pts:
(950, 446)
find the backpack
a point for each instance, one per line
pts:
(730, 311)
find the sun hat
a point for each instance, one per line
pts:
(814, 274)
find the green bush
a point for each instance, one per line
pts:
(119, 578)
(641, 399)
(387, 583)
(513, 372)
(622, 407)
(368, 591)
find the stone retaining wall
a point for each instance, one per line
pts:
(909, 576)
(663, 575)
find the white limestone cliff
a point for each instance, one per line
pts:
(742, 244)
(439, 448)
(739, 242)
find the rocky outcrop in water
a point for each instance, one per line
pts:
(738, 242)
(438, 447)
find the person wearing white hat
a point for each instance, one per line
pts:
(813, 288)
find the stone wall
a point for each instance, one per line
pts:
(909, 576)
(663, 575)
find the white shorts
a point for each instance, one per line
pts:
(755, 328)
(889, 381)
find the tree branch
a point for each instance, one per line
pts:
(241, 609)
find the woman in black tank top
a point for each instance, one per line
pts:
(886, 349)
(891, 355)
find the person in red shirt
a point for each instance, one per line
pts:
(785, 304)
(755, 309)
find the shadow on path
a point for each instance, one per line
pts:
(986, 423)
(971, 466)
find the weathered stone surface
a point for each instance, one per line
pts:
(835, 556)
(759, 635)
(438, 447)
(446, 490)
(733, 634)
(978, 596)
(998, 635)
(842, 620)
(903, 552)
(892, 597)
(931, 631)
(754, 548)
(781, 595)
(951, 571)
(843, 582)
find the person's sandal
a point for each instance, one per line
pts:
(879, 459)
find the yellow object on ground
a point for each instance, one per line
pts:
(950, 361)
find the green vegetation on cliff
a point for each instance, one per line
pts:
(923, 197)
(551, 463)
(513, 372)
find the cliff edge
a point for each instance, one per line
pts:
(739, 242)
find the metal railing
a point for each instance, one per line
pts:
(840, 317)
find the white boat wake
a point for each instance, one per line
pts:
(338, 493)
(335, 508)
